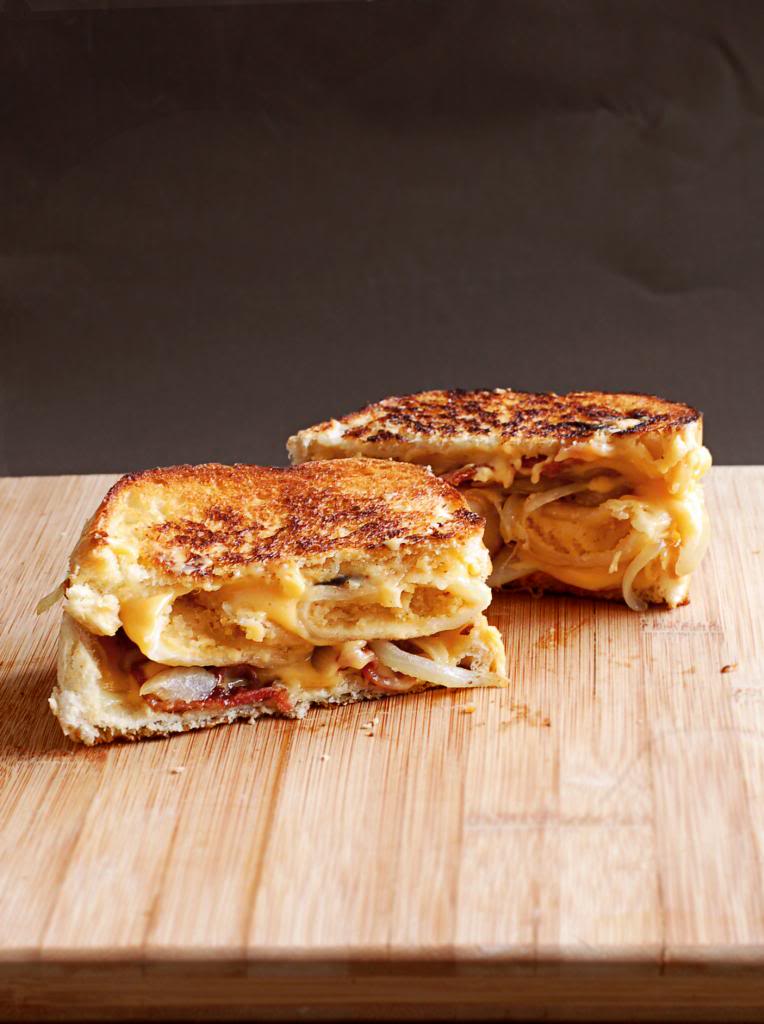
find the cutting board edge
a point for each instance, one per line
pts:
(232, 991)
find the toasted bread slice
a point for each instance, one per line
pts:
(450, 429)
(202, 536)
(622, 470)
(273, 584)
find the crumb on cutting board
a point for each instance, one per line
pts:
(367, 728)
(533, 717)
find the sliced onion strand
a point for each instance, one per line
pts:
(536, 501)
(637, 565)
(428, 671)
(180, 684)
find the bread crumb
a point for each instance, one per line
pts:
(469, 709)
(533, 717)
(732, 667)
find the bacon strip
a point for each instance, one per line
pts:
(381, 678)
(221, 698)
(457, 477)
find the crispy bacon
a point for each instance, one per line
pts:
(221, 697)
(380, 677)
(457, 477)
(275, 695)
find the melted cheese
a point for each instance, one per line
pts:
(665, 523)
(215, 627)
(145, 619)
(584, 577)
(327, 667)
(275, 600)
(303, 675)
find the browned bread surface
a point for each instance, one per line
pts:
(194, 520)
(506, 415)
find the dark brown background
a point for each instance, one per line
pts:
(220, 224)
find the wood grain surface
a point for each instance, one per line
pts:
(585, 844)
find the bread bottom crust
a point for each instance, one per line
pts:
(91, 734)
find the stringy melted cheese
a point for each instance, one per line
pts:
(618, 517)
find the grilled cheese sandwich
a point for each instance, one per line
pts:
(587, 492)
(200, 594)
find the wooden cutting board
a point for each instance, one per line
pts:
(586, 844)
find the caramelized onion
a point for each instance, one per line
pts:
(180, 685)
(482, 502)
(536, 501)
(637, 565)
(507, 567)
(379, 675)
(49, 600)
(430, 671)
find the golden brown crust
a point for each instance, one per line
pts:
(200, 519)
(509, 416)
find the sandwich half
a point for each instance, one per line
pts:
(587, 493)
(202, 594)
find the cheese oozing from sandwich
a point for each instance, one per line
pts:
(592, 492)
(599, 516)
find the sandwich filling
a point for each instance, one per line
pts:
(611, 514)
(322, 674)
(293, 633)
